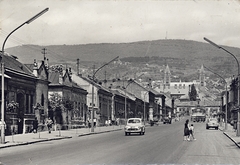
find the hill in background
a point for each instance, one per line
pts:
(184, 57)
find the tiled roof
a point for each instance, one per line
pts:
(54, 78)
(29, 66)
(12, 64)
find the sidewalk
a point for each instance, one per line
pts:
(231, 134)
(30, 138)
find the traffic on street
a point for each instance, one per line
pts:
(161, 144)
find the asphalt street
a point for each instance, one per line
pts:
(161, 144)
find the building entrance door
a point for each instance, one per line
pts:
(20, 100)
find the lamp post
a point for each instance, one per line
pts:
(238, 112)
(144, 108)
(94, 73)
(125, 101)
(225, 93)
(3, 70)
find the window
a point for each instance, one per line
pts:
(134, 121)
(175, 86)
(42, 100)
(180, 86)
(31, 103)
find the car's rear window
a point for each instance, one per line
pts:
(134, 121)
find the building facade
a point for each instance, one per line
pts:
(67, 100)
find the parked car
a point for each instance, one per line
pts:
(167, 120)
(134, 125)
(212, 123)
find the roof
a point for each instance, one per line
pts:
(16, 67)
(129, 95)
(76, 77)
(54, 78)
(201, 103)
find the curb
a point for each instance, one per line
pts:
(226, 134)
(93, 133)
(56, 138)
(232, 139)
(37, 141)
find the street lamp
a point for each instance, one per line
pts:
(238, 113)
(94, 73)
(2, 63)
(225, 93)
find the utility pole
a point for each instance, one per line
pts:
(44, 53)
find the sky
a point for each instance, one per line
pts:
(74, 22)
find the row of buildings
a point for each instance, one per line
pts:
(67, 97)
(40, 91)
(223, 103)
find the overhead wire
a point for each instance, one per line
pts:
(33, 47)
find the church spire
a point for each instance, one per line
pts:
(167, 76)
(202, 76)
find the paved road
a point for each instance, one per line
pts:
(160, 145)
(211, 147)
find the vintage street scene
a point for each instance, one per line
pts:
(119, 82)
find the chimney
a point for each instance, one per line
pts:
(60, 78)
(35, 68)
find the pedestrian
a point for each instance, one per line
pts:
(89, 124)
(49, 123)
(94, 122)
(186, 130)
(191, 130)
(109, 122)
(35, 125)
(117, 121)
(106, 123)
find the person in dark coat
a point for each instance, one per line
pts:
(186, 130)
(35, 125)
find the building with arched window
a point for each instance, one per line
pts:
(20, 94)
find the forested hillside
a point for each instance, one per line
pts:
(184, 57)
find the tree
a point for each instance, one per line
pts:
(193, 93)
(56, 107)
(56, 102)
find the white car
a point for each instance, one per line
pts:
(212, 123)
(134, 125)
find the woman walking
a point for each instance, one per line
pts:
(49, 123)
(186, 130)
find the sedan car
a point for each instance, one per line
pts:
(134, 125)
(212, 123)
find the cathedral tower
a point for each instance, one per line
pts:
(167, 76)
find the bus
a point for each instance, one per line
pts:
(198, 115)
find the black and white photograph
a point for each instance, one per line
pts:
(115, 82)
